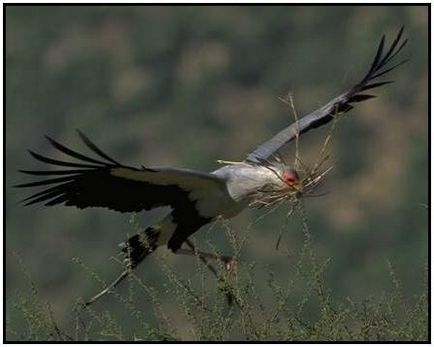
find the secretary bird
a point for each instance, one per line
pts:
(196, 198)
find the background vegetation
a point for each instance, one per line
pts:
(184, 86)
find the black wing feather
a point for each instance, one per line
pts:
(340, 104)
(375, 85)
(112, 185)
(378, 54)
(94, 148)
(47, 182)
(51, 172)
(72, 153)
(60, 162)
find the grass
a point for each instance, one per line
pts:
(297, 308)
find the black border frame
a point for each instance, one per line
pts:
(5, 5)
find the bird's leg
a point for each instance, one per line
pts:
(203, 256)
(129, 266)
(230, 262)
(109, 288)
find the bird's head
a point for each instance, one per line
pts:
(261, 182)
(290, 177)
(282, 183)
(279, 183)
(285, 177)
(281, 178)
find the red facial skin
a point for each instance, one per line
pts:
(290, 177)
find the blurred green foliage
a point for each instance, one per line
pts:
(186, 85)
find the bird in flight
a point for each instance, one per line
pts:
(195, 198)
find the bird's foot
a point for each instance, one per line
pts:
(231, 265)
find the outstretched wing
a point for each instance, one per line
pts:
(107, 183)
(343, 103)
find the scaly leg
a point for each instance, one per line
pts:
(231, 264)
(109, 288)
(202, 256)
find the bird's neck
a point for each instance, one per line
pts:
(243, 180)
